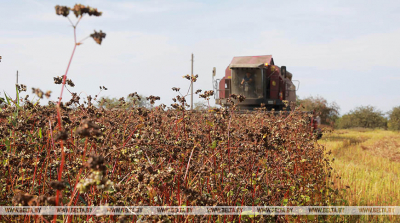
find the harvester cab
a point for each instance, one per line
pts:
(259, 80)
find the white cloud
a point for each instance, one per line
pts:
(360, 53)
(396, 78)
(154, 6)
(139, 7)
(47, 17)
(113, 15)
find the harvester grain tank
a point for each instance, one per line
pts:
(260, 80)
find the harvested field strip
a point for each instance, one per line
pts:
(367, 162)
(371, 173)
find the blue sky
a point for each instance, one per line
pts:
(344, 51)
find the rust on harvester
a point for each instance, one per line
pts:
(259, 80)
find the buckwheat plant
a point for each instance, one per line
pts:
(79, 11)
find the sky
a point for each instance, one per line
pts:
(344, 51)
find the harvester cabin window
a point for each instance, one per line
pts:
(247, 82)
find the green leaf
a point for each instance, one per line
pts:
(16, 89)
(81, 199)
(7, 142)
(40, 132)
(7, 98)
(1, 101)
(214, 144)
(36, 102)
(285, 202)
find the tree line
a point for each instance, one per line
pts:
(362, 116)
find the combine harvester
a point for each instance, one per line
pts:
(259, 80)
(262, 83)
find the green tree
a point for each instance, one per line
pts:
(122, 103)
(329, 112)
(394, 119)
(363, 116)
(200, 105)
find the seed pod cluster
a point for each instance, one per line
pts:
(78, 9)
(98, 36)
(88, 128)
